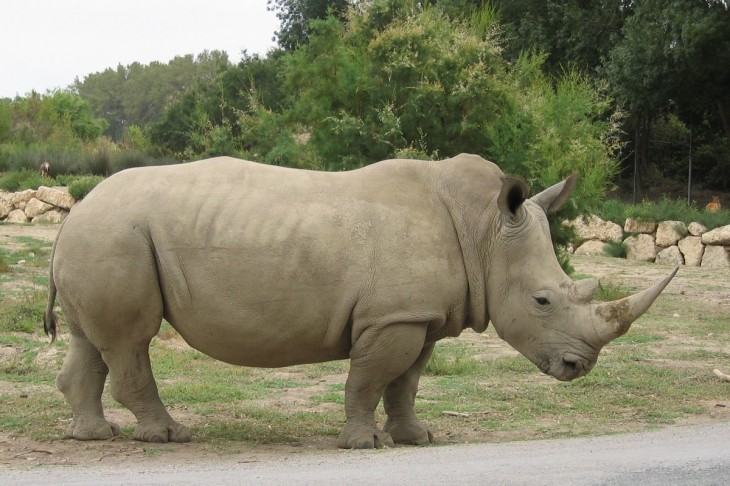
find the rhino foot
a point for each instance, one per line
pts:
(409, 432)
(97, 429)
(162, 433)
(363, 437)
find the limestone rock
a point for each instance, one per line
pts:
(670, 256)
(36, 207)
(668, 233)
(56, 196)
(6, 204)
(53, 216)
(718, 236)
(17, 216)
(716, 256)
(20, 199)
(594, 228)
(591, 248)
(692, 249)
(697, 229)
(635, 226)
(641, 248)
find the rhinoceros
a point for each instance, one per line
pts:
(265, 266)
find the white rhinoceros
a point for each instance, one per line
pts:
(266, 266)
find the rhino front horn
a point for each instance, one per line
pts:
(616, 317)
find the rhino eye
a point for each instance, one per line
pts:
(542, 301)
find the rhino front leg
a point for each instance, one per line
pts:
(398, 401)
(133, 385)
(378, 357)
(81, 381)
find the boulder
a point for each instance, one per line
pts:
(53, 216)
(635, 226)
(697, 229)
(58, 197)
(716, 256)
(594, 228)
(718, 236)
(6, 204)
(591, 248)
(640, 247)
(668, 233)
(20, 199)
(670, 256)
(692, 249)
(17, 216)
(36, 207)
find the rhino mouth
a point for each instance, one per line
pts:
(568, 367)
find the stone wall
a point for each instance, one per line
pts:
(45, 205)
(670, 242)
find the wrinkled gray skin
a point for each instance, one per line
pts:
(264, 266)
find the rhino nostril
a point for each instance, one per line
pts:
(573, 362)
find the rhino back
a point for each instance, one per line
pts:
(267, 266)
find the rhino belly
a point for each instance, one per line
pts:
(254, 312)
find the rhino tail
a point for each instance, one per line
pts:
(49, 318)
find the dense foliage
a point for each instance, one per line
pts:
(542, 88)
(396, 79)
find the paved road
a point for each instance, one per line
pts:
(687, 455)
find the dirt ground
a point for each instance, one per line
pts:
(19, 452)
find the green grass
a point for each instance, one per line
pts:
(4, 265)
(334, 394)
(663, 210)
(451, 357)
(23, 314)
(609, 291)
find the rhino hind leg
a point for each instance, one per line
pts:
(81, 380)
(133, 385)
(378, 358)
(398, 401)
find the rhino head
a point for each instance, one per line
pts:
(533, 304)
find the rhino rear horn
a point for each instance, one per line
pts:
(553, 198)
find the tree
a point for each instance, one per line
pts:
(672, 57)
(296, 16)
(211, 104)
(140, 94)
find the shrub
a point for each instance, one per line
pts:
(129, 158)
(81, 186)
(23, 179)
(664, 210)
(615, 249)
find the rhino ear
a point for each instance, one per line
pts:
(514, 192)
(553, 198)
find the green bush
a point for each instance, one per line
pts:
(615, 249)
(663, 210)
(81, 186)
(24, 179)
(126, 159)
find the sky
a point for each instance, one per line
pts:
(47, 44)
